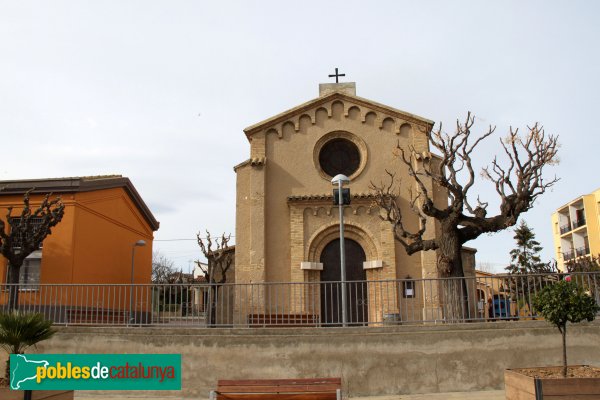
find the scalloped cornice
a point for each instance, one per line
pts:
(329, 197)
(254, 162)
(424, 124)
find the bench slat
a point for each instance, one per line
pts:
(278, 396)
(263, 382)
(278, 389)
(325, 387)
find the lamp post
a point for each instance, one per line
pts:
(139, 243)
(342, 199)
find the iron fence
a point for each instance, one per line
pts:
(314, 304)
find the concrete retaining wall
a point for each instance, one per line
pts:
(371, 361)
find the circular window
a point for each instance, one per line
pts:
(339, 156)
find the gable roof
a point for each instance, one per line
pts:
(80, 184)
(281, 117)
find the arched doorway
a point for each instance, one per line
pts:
(357, 305)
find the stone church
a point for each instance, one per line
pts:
(287, 228)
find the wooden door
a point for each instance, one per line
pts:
(356, 289)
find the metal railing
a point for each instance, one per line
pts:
(565, 228)
(309, 304)
(582, 251)
(578, 222)
(568, 255)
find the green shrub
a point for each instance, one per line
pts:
(18, 331)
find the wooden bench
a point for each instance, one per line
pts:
(279, 389)
(282, 320)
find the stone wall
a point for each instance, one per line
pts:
(284, 205)
(371, 361)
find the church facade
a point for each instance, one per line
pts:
(287, 227)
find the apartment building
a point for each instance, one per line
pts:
(576, 228)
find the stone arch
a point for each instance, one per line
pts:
(331, 231)
(308, 211)
(353, 113)
(304, 122)
(321, 115)
(337, 110)
(405, 130)
(287, 129)
(358, 210)
(321, 211)
(369, 118)
(388, 124)
(274, 131)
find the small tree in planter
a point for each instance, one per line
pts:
(18, 331)
(565, 302)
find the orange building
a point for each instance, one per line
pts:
(104, 217)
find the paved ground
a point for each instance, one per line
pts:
(483, 395)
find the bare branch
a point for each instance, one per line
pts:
(163, 269)
(26, 233)
(219, 260)
(386, 201)
(518, 183)
(521, 183)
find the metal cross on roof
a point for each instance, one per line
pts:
(336, 75)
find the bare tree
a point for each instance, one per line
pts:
(219, 261)
(25, 235)
(163, 268)
(518, 184)
(164, 275)
(485, 266)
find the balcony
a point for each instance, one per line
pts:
(578, 223)
(568, 255)
(565, 228)
(582, 251)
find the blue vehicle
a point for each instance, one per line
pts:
(501, 307)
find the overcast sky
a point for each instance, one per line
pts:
(160, 91)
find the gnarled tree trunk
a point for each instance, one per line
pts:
(13, 290)
(450, 268)
(219, 262)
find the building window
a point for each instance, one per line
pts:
(339, 156)
(340, 152)
(29, 274)
(408, 288)
(580, 219)
(34, 226)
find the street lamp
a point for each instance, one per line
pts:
(139, 243)
(341, 197)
